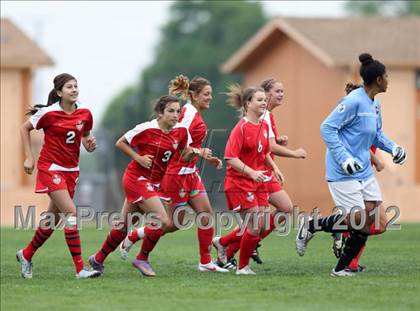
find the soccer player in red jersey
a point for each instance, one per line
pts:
(248, 156)
(150, 145)
(182, 183)
(66, 125)
(278, 197)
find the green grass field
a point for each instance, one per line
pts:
(284, 281)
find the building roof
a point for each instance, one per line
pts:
(18, 50)
(338, 41)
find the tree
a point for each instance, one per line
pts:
(385, 8)
(197, 39)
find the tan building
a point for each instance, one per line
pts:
(315, 58)
(20, 56)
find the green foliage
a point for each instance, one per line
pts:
(197, 39)
(284, 282)
(385, 8)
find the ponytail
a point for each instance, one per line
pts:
(351, 87)
(238, 97)
(179, 87)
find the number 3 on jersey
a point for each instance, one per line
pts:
(166, 156)
(70, 137)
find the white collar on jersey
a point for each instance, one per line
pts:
(189, 105)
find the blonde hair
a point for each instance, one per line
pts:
(183, 87)
(238, 97)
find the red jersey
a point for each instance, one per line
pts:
(148, 138)
(192, 120)
(63, 135)
(249, 143)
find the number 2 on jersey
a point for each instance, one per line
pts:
(70, 137)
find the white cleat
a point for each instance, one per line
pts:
(221, 250)
(125, 247)
(25, 265)
(303, 237)
(245, 271)
(344, 272)
(86, 273)
(211, 267)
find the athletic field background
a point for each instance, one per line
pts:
(284, 282)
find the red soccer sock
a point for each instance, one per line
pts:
(373, 230)
(39, 238)
(230, 237)
(205, 236)
(232, 249)
(248, 244)
(355, 261)
(112, 241)
(151, 237)
(73, 243)
(270, 228)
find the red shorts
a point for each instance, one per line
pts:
(137, 189)
(49, 181)
(244, 194)
(274, 186)
(178, 189)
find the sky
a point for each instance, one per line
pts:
(107, 44)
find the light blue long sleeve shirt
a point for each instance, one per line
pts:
(349, 132)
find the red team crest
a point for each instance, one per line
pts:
(79, 125)
(175, 144)
(56, 179)
(149, 187)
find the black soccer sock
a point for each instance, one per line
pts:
(328, 224)
(352, 247)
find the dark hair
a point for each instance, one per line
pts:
(163, 101)
(268, 84)
(53, 97)
(238, 97)
(183, 87)
(370, 68)
(351, 87)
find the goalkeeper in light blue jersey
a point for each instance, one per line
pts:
(349, 132)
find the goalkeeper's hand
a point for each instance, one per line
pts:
(398, 155)
(351, 166)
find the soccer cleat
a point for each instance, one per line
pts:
(245, 271)
(211, 267)
(125, 247)
(221, 250)
(97, 266)
(303, 237)
(144, 267)
(344, 272)
(230, 265)
(25, 265)
(338, 243)
(256, 255)
(87, 273)
(358, 269)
